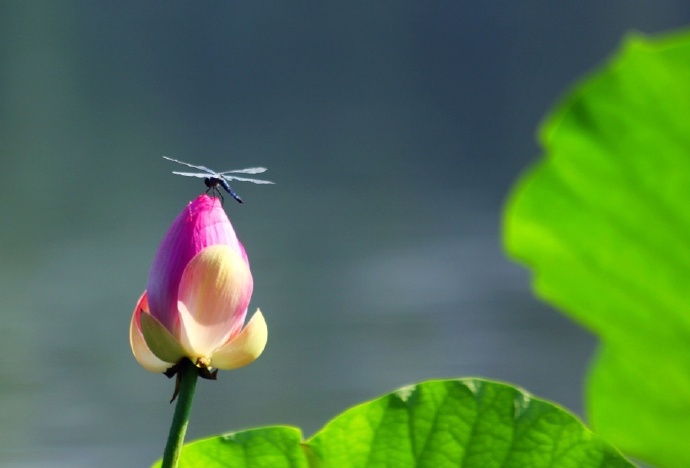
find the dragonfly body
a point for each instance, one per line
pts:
(213, 182)
(213, 179)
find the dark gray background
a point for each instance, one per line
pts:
(394, 131)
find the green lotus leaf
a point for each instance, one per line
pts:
(603, 220)
(446, 423)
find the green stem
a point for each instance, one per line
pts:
(188, 374)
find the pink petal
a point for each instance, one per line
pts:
(141, 351)
(201, 224)
(215, 290)
(243, 348)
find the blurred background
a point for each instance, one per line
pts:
(393, 131)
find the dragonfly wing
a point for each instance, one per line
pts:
(201, 168)
(193, 174)
(244, 179)
(249, 170)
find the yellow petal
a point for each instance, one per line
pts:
(141, 351)
(245, 347)
(159, 340)
(213, 296)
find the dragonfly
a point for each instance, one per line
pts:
(213, 179)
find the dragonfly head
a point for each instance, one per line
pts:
(211, 182)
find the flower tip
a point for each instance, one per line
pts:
(205, 201)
